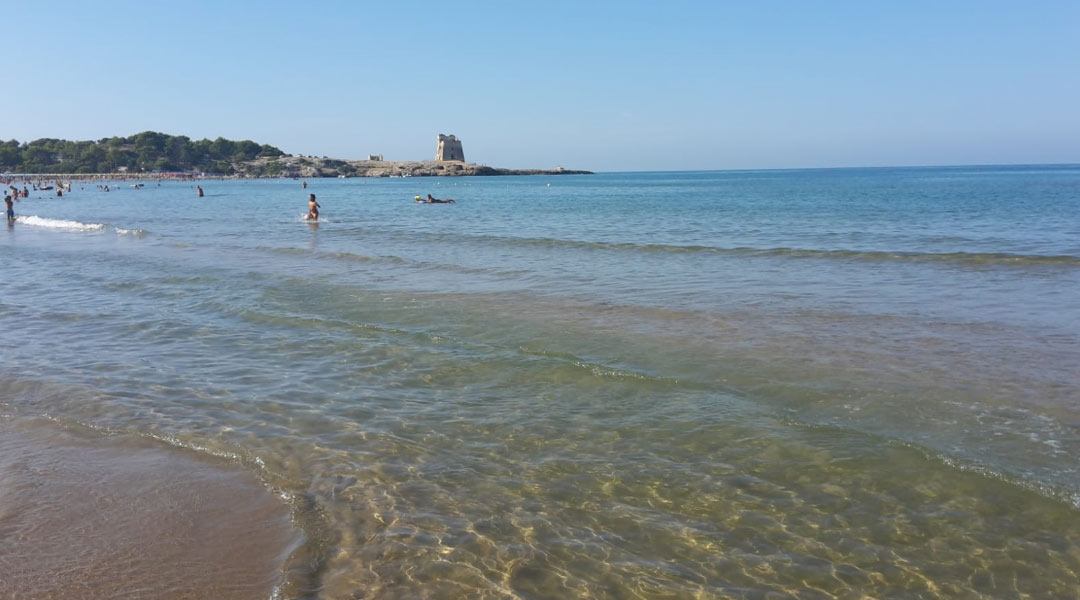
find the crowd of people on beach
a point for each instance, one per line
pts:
(36, 183)
(16, 193)
(40, 184)
(9, 200)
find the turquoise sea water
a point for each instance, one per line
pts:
(836, 383)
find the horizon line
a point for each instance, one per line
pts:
(914, 166)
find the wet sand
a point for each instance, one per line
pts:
(94, 516)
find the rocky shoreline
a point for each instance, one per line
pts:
(310, 166)
(304, 167)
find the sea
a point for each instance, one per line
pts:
(837, 383)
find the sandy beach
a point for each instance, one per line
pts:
(87, 515)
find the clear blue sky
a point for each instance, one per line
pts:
(606, 86)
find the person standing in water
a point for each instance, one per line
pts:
(199, 188)
(10, 209)
(313, 208)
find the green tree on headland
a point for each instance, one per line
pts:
(143, 152)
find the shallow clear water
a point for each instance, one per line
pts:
(826, 383)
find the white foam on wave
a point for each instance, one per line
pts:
(36, 221)
(132, 232)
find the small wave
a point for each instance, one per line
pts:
(602, 370)
(966, 258)
(971, 258)
(37, 221)
(138, 233)
(1059, 493)
(395, 260)
(350, 256)
(298, 251)
(599, 369)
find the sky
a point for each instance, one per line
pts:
(603, 86)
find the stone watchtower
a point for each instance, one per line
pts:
(449, 149)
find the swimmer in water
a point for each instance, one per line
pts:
(313, 208)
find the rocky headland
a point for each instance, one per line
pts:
(310, 166)
(153, 154)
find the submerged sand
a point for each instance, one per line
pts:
(89, 516)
